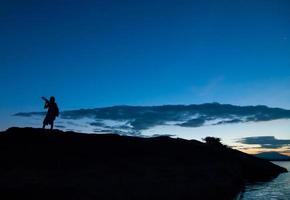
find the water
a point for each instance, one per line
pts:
(277, 189)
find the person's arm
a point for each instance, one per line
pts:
(45, 99)
(46, 102)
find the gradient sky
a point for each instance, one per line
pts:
(103, 53)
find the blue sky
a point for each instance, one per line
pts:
(103, 53)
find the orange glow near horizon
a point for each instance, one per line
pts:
(256, 150)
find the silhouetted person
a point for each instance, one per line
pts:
(52, 112)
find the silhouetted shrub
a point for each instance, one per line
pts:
(213, 141)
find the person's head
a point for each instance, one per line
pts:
(52, 99)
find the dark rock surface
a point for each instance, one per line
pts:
(43, 164)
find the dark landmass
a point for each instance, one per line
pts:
(273, 156)
(43, 164)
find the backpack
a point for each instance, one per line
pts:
(56, 111)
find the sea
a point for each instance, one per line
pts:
(276, 189)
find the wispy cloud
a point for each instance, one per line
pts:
(265, 142)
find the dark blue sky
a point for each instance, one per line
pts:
(102, 53)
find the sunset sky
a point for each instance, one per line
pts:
(108, 52)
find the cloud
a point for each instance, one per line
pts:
(29, 114)
(193, 123)
(265, 142)
(60, 126)
(137, 118)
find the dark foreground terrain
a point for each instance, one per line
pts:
(40, 164)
